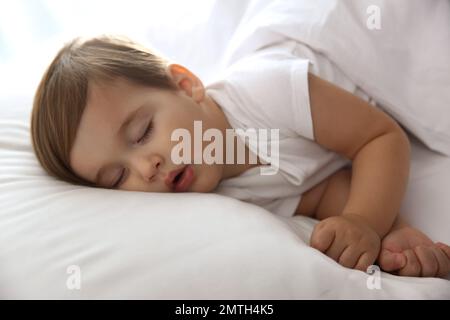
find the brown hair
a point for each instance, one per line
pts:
(62, 93)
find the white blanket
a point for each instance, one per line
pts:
(398, 52)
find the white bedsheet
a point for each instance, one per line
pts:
(192, 246)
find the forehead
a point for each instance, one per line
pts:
(108, 104)
(109, 101)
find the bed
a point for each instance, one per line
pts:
(60, 241)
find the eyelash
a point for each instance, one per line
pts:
(144, 138)
(118, 183)
(147, 133)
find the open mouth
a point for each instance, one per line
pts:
(181, 179)
(184, 179)
(178, 177)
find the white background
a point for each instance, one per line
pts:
(32, 31)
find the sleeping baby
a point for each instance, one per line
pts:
(109, 113)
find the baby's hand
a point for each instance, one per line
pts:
(348, 240)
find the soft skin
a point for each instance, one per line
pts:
(145, 163)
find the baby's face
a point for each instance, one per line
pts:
(121, 149)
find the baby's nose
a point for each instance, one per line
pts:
(155, 169)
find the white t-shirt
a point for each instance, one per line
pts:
(269, 90)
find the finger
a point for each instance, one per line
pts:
(322, 238)
(427, 260)
(445, 248)
(443, 262)
(412, 267)
(335, 250)
(390, 261)
(349, 257)
(367, 259)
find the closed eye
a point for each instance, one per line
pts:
(144, 138)
(147, 133)
(119, 181)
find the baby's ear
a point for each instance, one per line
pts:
(186, 81)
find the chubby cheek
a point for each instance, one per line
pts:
(207, 178)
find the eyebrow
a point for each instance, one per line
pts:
(123, 126)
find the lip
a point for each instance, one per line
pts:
(171, 176)
(186, 179)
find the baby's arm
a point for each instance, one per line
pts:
(404, 251)
(379, 150)
(378, 147)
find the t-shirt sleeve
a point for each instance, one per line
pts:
(274, 91)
